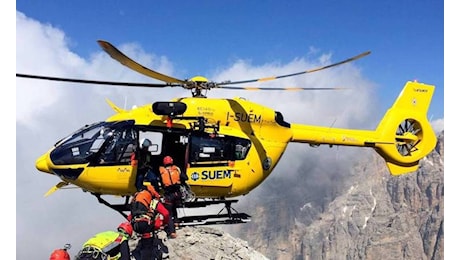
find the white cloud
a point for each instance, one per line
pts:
(438, 125)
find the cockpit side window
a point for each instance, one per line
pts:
(206, 148)
(101, 143)
(119, 147)
(100, 139)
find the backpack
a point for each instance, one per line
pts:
(140, 204)
(143, 212)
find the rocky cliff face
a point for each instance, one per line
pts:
(364, 213)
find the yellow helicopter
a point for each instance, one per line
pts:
(227, 147)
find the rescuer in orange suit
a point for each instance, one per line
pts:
(146, 209)
(172, 181)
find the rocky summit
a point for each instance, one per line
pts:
(204, 243)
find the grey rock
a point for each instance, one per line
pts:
(360, 213)
(207, 243)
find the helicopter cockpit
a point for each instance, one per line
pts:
(98, 143)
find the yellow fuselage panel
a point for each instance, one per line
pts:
(142, 115)
(238, 179)
(224, 181)
(235, 113)
(116, 180)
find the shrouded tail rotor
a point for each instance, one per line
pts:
(408, 136)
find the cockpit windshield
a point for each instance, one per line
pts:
(103, 142)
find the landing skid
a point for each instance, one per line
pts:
(227, 215)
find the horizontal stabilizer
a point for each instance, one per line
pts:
(398, 170)
(56, 187)
(115, 107)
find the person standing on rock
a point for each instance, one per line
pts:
(173, 182)
(148, 215)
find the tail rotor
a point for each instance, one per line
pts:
(408, 136)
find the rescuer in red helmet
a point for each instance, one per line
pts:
(176, 190)
(61, 254)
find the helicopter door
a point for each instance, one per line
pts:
(209, 157)
(175, 145)
(111, 168)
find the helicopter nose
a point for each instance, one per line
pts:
(42, 164)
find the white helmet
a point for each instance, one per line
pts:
(145, 143)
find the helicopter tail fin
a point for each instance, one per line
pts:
(406, 136)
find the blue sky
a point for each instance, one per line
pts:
(232, 40)
(406, 39)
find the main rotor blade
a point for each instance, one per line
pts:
(128, 84)
(125, 60)
(298, 73)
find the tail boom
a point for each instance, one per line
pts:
(403, 137)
